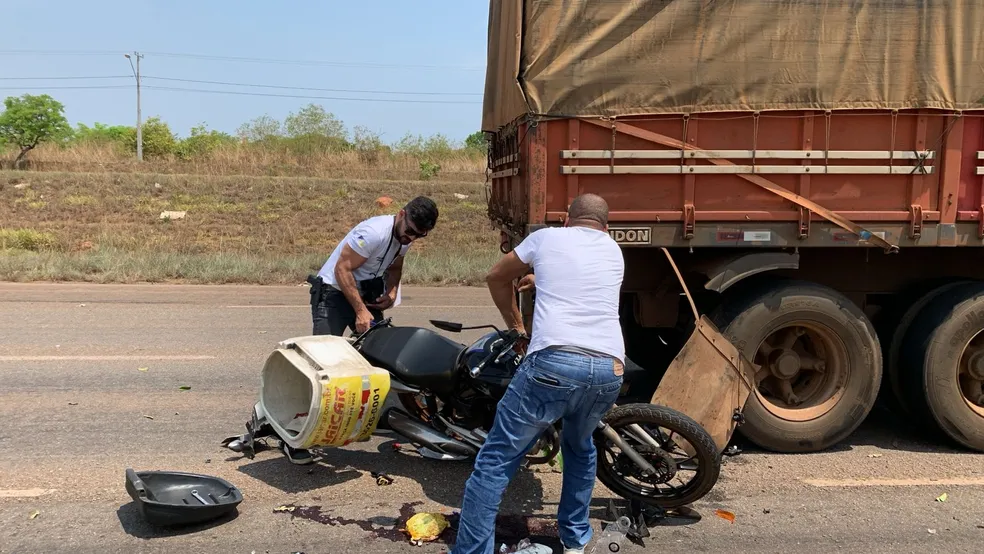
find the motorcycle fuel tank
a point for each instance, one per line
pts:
(498, 372)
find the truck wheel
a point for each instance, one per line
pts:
(942, 365)
(898, 334)
(817, 360)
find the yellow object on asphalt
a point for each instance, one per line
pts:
(425, 527)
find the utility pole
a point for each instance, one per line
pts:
(136, 74)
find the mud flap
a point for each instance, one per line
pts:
(709, 380)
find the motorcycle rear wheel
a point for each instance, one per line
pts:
(623, 477)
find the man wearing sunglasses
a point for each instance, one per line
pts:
(361, 278)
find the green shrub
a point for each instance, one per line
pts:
(26, 239)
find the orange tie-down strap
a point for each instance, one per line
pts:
(766, 184)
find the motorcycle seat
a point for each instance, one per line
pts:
(415, 355)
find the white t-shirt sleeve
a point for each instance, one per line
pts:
(526, 250)
(363, 240)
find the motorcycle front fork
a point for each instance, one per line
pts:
(638, 433)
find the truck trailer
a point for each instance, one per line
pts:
(815, 168)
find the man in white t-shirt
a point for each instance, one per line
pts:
(572, 370)
(362, 276)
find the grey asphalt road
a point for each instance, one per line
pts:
(76, 410)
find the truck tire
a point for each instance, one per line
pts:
(900, 328)
(818, 363)
(942, 366)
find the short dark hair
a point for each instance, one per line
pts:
(422, 212)
(589, 206)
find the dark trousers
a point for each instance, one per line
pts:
(332, 313)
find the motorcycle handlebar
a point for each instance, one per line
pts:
(510, 338)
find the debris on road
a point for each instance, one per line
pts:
(170, 498)
(942, 497)
(34, 514)
(931, 531)
(874, 455)
(284, 509)
(184, 387)
(142, 369)
(525, 547)
(732, 450)
(613, 536)
(148, 417)
(381, 478)
(724, 514)
(73, 403)
(425, 527)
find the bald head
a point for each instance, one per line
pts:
(588, 208)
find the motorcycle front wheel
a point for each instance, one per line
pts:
(673, 443)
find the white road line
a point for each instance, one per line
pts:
(25, 493)
(429, 307)
(951, 481)
(99, 358)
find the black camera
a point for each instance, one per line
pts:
(372, 289)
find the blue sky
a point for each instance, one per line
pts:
(369, 46)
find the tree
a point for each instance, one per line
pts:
(477, 141)
(100, 133)
(30, 120)
(259, 129)
(202, 142)
(313, 120)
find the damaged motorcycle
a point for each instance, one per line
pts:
(446, 395)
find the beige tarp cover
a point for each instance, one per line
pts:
(622, 57)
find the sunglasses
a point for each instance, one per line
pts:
(410, 231)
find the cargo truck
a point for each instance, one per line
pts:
(814, 167)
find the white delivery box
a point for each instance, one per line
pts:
(318, 391)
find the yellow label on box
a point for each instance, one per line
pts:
(350, 409)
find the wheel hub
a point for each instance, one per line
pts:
(975, 364)
(785, 364)
(662, 462)
(800, 371)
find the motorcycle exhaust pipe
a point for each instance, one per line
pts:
(417, 431)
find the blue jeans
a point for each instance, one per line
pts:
(550, 385)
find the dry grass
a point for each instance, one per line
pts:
(105, 227)
(239, 159)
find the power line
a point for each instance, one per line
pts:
(311, 62)
(63, 78)
(61, 52)
(243, 59)
(68, 87)
(283, 87)
(243, 93)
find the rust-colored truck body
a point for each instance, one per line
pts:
(914, 178)
(838, 248)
